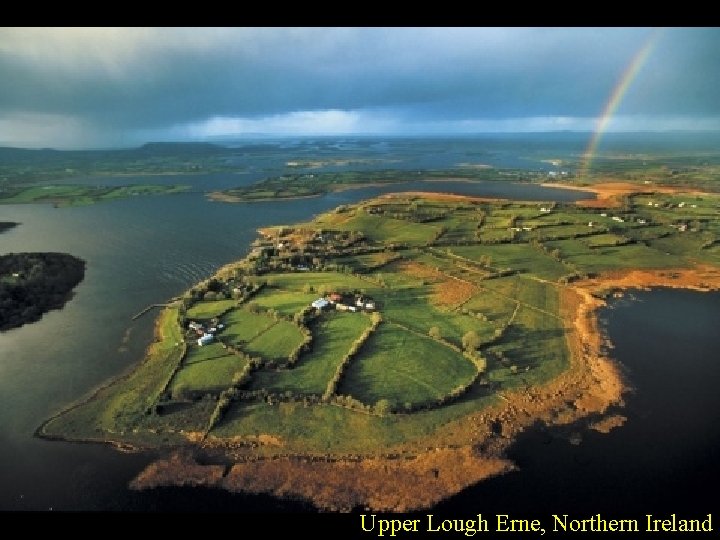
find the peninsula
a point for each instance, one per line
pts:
(409, 337)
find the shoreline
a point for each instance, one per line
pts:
(39, 432)
(588, 392)
(608, 194)
(458, 454)
(219, 196)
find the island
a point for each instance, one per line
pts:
(80, 195)
(299, 186)
(7, 225)
(385, 354)
(32, 284)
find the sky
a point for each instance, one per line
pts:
(121, 87)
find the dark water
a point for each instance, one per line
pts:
(145, 250)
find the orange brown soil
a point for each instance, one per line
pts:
(433, 196)
(608, 423)
(609, 194)
(446, 292)
(418, 474)
(219, 196)
(452, 292)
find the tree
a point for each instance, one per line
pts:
(308, 288)
(382, 407)
(435, 333)
(471, 341)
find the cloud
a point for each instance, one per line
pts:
(122, 84)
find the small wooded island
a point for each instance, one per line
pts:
(385, 354)
(32, 284)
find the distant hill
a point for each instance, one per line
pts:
(9, 154)
(184, 148)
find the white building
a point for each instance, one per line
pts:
(205, 339)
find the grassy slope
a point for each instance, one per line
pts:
(404, 368)
(334, 334)
(208, 310)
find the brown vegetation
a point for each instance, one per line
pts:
(610, 194)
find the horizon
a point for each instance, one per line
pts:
(81, 88)
(227, 142)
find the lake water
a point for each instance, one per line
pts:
(145, 250)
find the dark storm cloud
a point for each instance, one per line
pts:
(122, 81)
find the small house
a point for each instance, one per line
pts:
(194, 326)
(320, 303)
(205, 339)
(370, 306)
(335, 298)
(342, 307)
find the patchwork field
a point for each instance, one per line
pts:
(380, 328)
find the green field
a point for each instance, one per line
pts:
(81, 195)
(206, 369)
(446, 268)
(242, 326)
(286, 302)
(276, 342)
(333, 337)
(402, 367)
(208, 310)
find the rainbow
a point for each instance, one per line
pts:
(616, 96)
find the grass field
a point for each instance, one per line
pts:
(319, 280)
(276, 342)
(242, 326)
(286, 302)
(388, 230)
(411, 307)
(520, 257)
(207, 369)
(445, 277)
(404, 368)
(334, 334)
(208, 310)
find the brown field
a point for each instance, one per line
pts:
(447, 291)
(452, 292)
(608, 194)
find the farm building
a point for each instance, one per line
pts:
(204, 340)
(320, 303)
